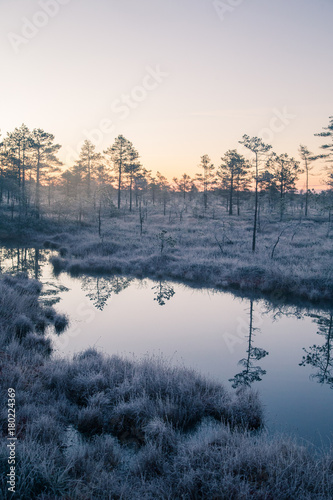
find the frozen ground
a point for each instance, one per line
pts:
(214, 250)
(106, 427)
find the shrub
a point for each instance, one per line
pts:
(23, 326)
(90, 421)
(63, 251)
(38, 344)
(60, 323)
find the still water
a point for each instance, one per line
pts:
(286, 353)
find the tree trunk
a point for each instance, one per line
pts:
(131, 181)
(231, 193)
(37, 184)
(307, 188)
(99, 219)
(119, 185)
(255, 209)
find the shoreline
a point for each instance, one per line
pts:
(199, 253)
(136, 427)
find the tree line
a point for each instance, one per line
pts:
(29, 165)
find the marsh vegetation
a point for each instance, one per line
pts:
(147, 428)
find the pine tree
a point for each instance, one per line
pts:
(19, 146)
(307, 158)
(207, 178)
(285, 171)
(45, 158)
(183, 184)
(259, 148)
(132, 167)
(328, 146)
(88, 163)
(163, 188)
(232, 172)
(118, 156)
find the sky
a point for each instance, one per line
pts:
(178, 78)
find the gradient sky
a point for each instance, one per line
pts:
(225, 74)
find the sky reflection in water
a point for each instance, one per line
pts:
(286, 355)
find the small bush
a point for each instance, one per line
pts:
(38, 344)
(90, 421)
(41, 324)
(49, 313)
(45, 429)
(58, 264)
(63, 251)
(60, 323)
(23, 326)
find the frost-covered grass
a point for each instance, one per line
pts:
(212, 462)
(212, 249)
(114, 428)
(23, 320)
(122, 397)
(293, 258)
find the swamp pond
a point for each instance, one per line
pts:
(284, 352)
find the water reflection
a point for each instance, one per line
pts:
(22, 260)
(251, 373)
(321, 356)
(31, 262)
(163, 291)
(279, 309)
(191, 328)
(99, 289)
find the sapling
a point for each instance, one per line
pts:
(165, 240)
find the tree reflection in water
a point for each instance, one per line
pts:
(163, 292)
(321, 356)
(251, 373)
(99, 289)
(23, 260)
(30, 261)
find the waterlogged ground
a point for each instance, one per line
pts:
(231, 339)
